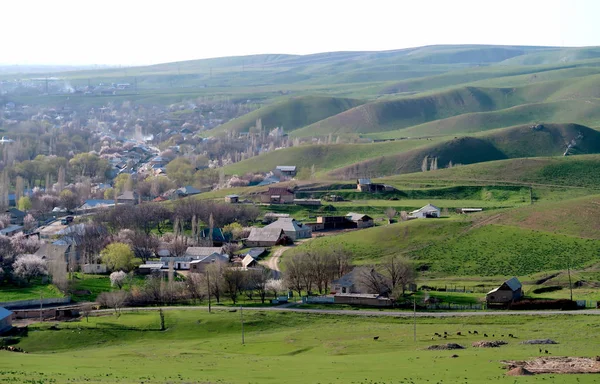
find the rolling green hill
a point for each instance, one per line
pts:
(575, 171)
(290, 114)
(324, 157)
(521, 141)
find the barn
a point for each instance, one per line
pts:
(510, 291)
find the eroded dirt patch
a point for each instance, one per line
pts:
(557, 365)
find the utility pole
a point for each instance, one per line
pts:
(242, 320)
(414, 319)
(569, 273)
(208, 289)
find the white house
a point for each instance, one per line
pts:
(427, 212)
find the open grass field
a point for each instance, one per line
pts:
(198, 347)
(28, 292)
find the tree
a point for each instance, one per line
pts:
(214, 272)
(28, 267)
(233, 279)
(68, 199)
(117, 279)
(89, 165)
(29, 222)
(390, 213)
(399, 271)
(181, 171)
(372, 281)
(117, 256)
(144, 246)
(61, 179)
(196, 286)
(22, 244)
(57, 269)
(293, 272)
(258, 280)
(425, 164)
(115, 300)
(24, 203)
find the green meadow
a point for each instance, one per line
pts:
(198, 347)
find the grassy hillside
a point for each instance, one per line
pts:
(290, 114)
(522, 141)
(324, 157)
(575, 171)
(586, 112)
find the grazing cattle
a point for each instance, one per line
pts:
(485, 335)
(476, 333)
(437, 334)
(510, 335)
(445, 336)
(376, 338)
(445, 333)
(458, 333)
(469, 332)
(540, 350)
(545, 351)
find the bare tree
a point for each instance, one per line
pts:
(115, 300)
(390, 213)
(293, 273)
(57, 269)
(259, 279)
(372, 281)
(215, 276)
(399, 271)
(196, 286)
(233, 279)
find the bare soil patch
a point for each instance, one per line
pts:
(519, 371)
(539, 341)
(489, 344)
(557, 365)
(445, 347)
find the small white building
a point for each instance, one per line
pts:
(427, 212)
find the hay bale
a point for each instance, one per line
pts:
(519, 371)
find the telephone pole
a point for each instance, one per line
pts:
(242, 320)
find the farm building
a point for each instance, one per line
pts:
(188, 191)
(354, 282)
(255, 253)
(365, 185)
(249, 262)
(16, 216)
(292, 229)
(128, 197)
(511, 290)
(6, 318)
(271, 217)
(264, 237)
(11, 230)
(199, 265)
(286, 170)
(360, 220)
(232, 199)
(427, 212)
(277, 195)
(468, 210)
(55, 252)
(217, 236)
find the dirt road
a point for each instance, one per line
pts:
(273, 262)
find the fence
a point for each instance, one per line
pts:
(317, 300)
(460, 289)
(35, 302)
(454, 307)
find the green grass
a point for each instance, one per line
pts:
(28, 292)
(288, 347)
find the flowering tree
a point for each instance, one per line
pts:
(117, 279)
(22, 244)
(28, 267)
(29, 222)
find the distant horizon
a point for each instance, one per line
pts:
(136, 33)
(104, 65)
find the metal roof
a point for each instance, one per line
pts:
(4, 313)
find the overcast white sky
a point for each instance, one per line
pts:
(131, 32)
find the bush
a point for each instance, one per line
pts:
(547, 289)
(532, 304)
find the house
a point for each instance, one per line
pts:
(199, 252)
(511, 290)
(292, 229)
(249, 262)
(353, 282)
(365, 185)
(427, 212)
(360, 220)
(277, 195)
(255, 253)
(179, 262)
(286, 170)
(150, 267)
(128, 197)
(270, 217)
(232, 199)
(16, 216)
(199, 265)
(217, 236)
(269, 180)
(95, 204)
(188, 190)
(11, 230)
(6, 318)
(264, 237)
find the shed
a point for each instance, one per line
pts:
(277, 196)
(426, 212)
(6, 318)
(264, 237)
(361, 221)
(11, 230)
(16, 216)
(511, 290)
(232, 199)
(287, 170)
(249, 262)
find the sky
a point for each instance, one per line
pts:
(131, 32)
